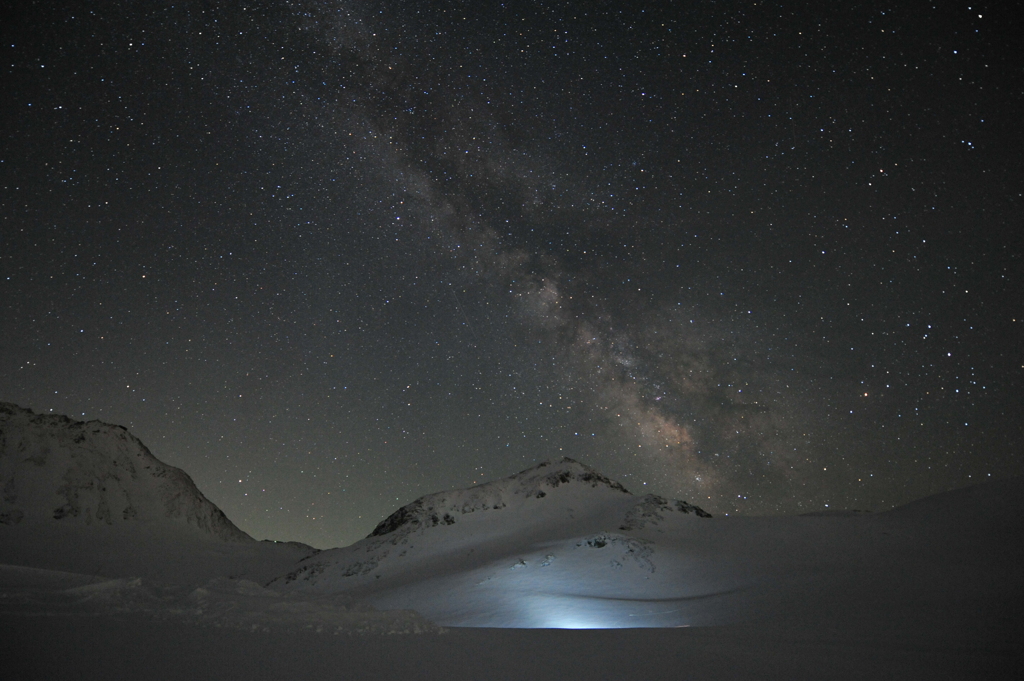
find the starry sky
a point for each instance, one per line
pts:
(329, 256)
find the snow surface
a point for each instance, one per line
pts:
(222, 602)
(113, 565)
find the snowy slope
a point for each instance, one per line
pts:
(560, 546)
(547, 547)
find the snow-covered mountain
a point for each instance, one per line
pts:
(444, 508)
(57, 470)
(503, 553)
(90, 498)
(561, 546)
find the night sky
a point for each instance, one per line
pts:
(330, 256)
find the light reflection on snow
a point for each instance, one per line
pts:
(562, 611)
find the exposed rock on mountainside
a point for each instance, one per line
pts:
(651, 509)
(57, 470)
(443, 508)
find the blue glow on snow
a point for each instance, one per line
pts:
(561, 611)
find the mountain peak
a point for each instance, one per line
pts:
(566, 470)
(443, 508)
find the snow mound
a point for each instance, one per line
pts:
(55, 470)
(444, 508)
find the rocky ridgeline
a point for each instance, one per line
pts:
(57, 470)
(443, 508)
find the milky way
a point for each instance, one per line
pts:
(330, 256)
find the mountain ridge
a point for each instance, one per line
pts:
(54, 469)
(536, 482)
